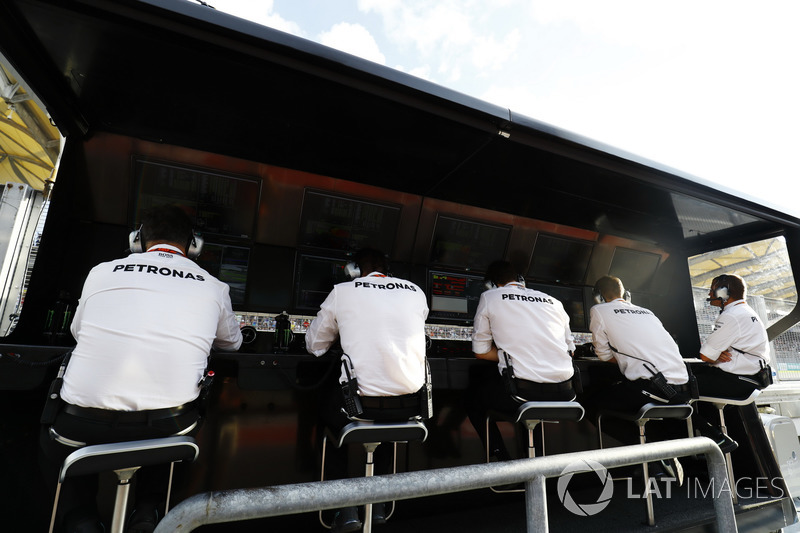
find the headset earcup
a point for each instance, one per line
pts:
(597, 296)
(352, 271)
(722, 293)
(195, 247)
(135, 241)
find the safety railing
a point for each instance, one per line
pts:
(247, 504)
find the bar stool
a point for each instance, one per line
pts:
(371, 434)
(648, 412)
(720, 404)
(531, 414)
(124, 458)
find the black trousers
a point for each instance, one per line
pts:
(332, 417)
(78, 494)
(487, 392)
(711, 381)
(629, 396)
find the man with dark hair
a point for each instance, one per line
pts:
(737, 352)
(526, 332)
(380, 321)
(144, 328)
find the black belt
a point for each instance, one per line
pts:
(390, 402)
(110, 415)
(524, 385)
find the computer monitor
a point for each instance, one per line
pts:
(340, 223)
(315, 277)
(557, 259)
(453, 297)
(636, 269)
(229, 264)
(466, 244)
(572, 299)
(220, 205)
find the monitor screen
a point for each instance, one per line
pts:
(572, 298)
(229, 265)
(346, 224)
(219, 204)
(636, 269)
(314, 280)
(453, 297)
(559, 260)
(466, 244)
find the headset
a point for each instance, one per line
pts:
(352, 271)
(489, 284)
(193, 250)
(721, 293)
(598, 296)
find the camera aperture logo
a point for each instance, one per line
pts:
(580, 467)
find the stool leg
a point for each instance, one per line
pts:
(599, 431)
(369, 471)
(55, 506)
(728, 460)
(121, 502)
(651, 520)
(531, 425)
(169, 487)
(322, 477)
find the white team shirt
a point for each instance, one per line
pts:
(381, 323)
(145, 325)
(531, 327)
(738, 326)
(635, 331)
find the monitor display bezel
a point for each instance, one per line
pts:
(196, 204)
(539, 276)
(383, 240)
(485, 256)
(451, 317)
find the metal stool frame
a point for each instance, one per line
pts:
(649, 411)
(371, 435)
(124, 458)
(720, 404)
(531, 414)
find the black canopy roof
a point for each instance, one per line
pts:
(185, 74)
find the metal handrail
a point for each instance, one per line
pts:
(248, 504)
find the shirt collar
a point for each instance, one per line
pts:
(165, 248)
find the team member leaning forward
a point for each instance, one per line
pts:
(528, 329)
(737, 352)
(380, 322)
(144, 328)
(634, 338)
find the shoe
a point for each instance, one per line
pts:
(87, 525)
(346, 521)
(83, 520)
(673, 468)
(143, 519)
(378, 513)
(725, 443)
(499, 455)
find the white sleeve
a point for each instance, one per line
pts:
(324, 328)
(599, 335)
(229, 335)
(481, 329)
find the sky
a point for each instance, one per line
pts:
(707, 87)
